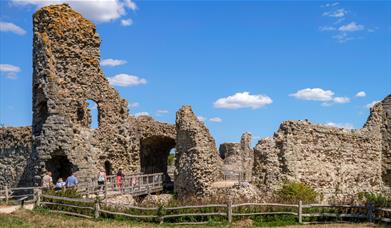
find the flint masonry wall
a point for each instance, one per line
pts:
(238, 157)
(66, 73)
(198, 164)
(338, 163)
(15, 151)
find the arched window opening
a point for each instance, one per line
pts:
(94, 114)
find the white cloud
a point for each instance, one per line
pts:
(314, 94)
(340, 125)
(351, 27)
(9, 70)
(327, 28)
(112, 62)
(370, 105)
(133, 105)
(341, 100)
(243, 100)
(216, 120)
(361, 94)
(330, 4)
(98, 10)
(10, 27)
(338, 13)
(162, 111)
(126, 22)
(201, 118)
(126, 80)
(142, 114)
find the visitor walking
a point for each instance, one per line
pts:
(101, 180)
(71, 181)
(47, 181)
(120, 176)
(60, 184)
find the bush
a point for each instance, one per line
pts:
(170, 159)
(377, 199)
(293, 192)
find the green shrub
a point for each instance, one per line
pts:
(293, 192)
(170, 159)
(377, 199)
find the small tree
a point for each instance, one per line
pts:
(293, 192)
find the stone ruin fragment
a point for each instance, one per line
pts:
(198, 164)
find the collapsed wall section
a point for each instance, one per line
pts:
(337, 162)
(238, 158)
(15, 160)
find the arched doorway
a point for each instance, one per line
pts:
(154, 152)
(108, 168)
(60, 166)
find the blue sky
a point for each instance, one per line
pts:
(243, 66)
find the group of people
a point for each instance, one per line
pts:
(47, 182)
(71, 181)
(102, 179)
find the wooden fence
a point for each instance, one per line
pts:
(135, 184)
(94, 208)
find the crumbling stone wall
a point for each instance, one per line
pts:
(386, 143)
(15, 161)
(337, 162)
(66, 73)
(238, 157)
(197, 161)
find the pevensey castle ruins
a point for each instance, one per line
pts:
(66, 73)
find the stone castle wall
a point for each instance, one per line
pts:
(337, 162)
(198, 164)
(66, 73)
(238, 157)
(15, 152)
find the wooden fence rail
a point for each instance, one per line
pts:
(226, 210)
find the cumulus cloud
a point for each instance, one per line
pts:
(341, 100)
(201, 118)
(327, 28)
(330, 4)
(98, 10)
(318, 94)
(126, 80)
(10, 27)
(336, 13)
(216, 120)
(243, 100)
(112, 62)
(370, 105)
(126, 22)
(313, 94)
(351, 27)
(340, 125)
(361, 94)
(142, 114)
(162, 111)
(10, 71)
(133, 105)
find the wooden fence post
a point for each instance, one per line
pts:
(229, 210)
(370, 212)
(97, 207)
(105, 191)
(6, 194)
(300, 212)
(38, 193)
